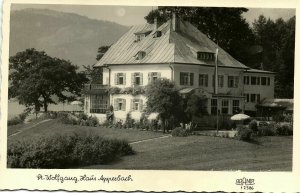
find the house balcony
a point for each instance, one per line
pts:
(96, 89)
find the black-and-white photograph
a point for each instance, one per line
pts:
(150, 87)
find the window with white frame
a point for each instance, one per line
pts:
(235, 106)
(233, 81)
(225, 105)
(120, 78)
(186, 78)
(214, 106)
(247, 98)
(203, 80)
(264, 81)
(98, 104)
(137, 78)
(220, 81)
(152, 76)
(119, 104)
(137, 104)
(246, 80)
(253, 80)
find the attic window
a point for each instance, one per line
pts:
(157, 34)
(141, 35)
(140, 55)
(205, 56)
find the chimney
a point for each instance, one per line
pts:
(155, 24)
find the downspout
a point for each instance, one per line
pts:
(109, 72)
(172, 71)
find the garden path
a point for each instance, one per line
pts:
(135, 142)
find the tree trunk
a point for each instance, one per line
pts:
(45, 106)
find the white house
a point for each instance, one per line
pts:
(178, 51)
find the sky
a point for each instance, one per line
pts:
(134, 15)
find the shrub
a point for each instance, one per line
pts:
(65, 151)
(179, 132)
(144, 122)
(114, 90)
(244, 134)
(129, 122)
(285, 130)
(253, 126)
(267, 130)
(93, 121)
(14, 121)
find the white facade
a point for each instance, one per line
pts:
(232, 91)
(259, 86)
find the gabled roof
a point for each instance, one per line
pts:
(180, 46)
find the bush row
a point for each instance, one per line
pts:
(65, 151)
(247, 132)
(17, 119)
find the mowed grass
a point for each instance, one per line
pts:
(182, 153)
(209, 153)
(54, 127)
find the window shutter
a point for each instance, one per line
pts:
(116, 78)
(141, 79)
(141, 105)
(149, 77)
(191, 79)
(124, 78)
(158, 75)
(206, 80)
(132, 79)
(124, 104)
(131, 104)
(116, 104)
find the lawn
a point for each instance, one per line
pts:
(182, 153)
(53, 127)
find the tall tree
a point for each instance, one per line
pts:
(36, 77)
(225, 26)
(277, 39)
(163, 98)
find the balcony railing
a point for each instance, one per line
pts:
(95, 89)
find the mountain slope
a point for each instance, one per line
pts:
(64, 35)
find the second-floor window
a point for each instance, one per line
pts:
(265, 81)
(233, 81)
(186, 79)
(220, 81)
(120, 78)
(152, 76)
(137, 78)
(246, 80)
(203, 80)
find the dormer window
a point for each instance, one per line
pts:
(205, 56)
(157, 34)
(141, 35)
(140, 55)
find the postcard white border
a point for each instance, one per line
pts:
(150, 180)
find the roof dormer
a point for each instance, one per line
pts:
(141, 35)
(206, 56)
